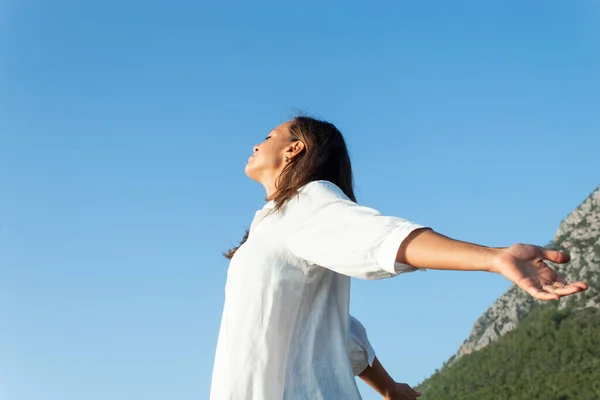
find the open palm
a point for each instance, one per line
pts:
(525, 266)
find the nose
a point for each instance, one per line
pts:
(255, 148)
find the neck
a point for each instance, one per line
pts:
(270, 188)
(269, 184)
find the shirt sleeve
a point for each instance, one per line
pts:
(360, 351)
(328, 229)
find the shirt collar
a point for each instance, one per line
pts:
(262, 213)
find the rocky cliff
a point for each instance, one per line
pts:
(579, 235)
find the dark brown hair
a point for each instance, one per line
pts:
(325, 157)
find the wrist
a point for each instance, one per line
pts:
(493, 256)
(388, 392)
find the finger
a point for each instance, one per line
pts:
(562, 291)
(540, 294)
(408, 392)
(536, 291)
(582, 285)
(555, 256)
(414, 392)
(561, 280)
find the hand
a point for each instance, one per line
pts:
(524, 265)
(401, 391)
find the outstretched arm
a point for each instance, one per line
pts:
(522, 264)
(334, 232)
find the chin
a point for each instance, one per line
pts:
(250, 172)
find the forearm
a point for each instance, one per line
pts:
(425, 248)
(377, 377)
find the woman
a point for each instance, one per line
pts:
(284, 328)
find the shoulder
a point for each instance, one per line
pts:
(321, 190)
(314, 197)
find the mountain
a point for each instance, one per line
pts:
(521, 348)
(579, 235)
(554, 354)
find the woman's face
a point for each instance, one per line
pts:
(268, 158)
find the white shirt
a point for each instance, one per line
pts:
(285, 323)
(360, 351)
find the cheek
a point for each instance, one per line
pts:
(267, 159)
(259, 163)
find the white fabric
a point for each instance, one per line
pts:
(360, 351)
(285, 323)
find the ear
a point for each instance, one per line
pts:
(294, 149)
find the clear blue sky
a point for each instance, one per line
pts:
(125, 127)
